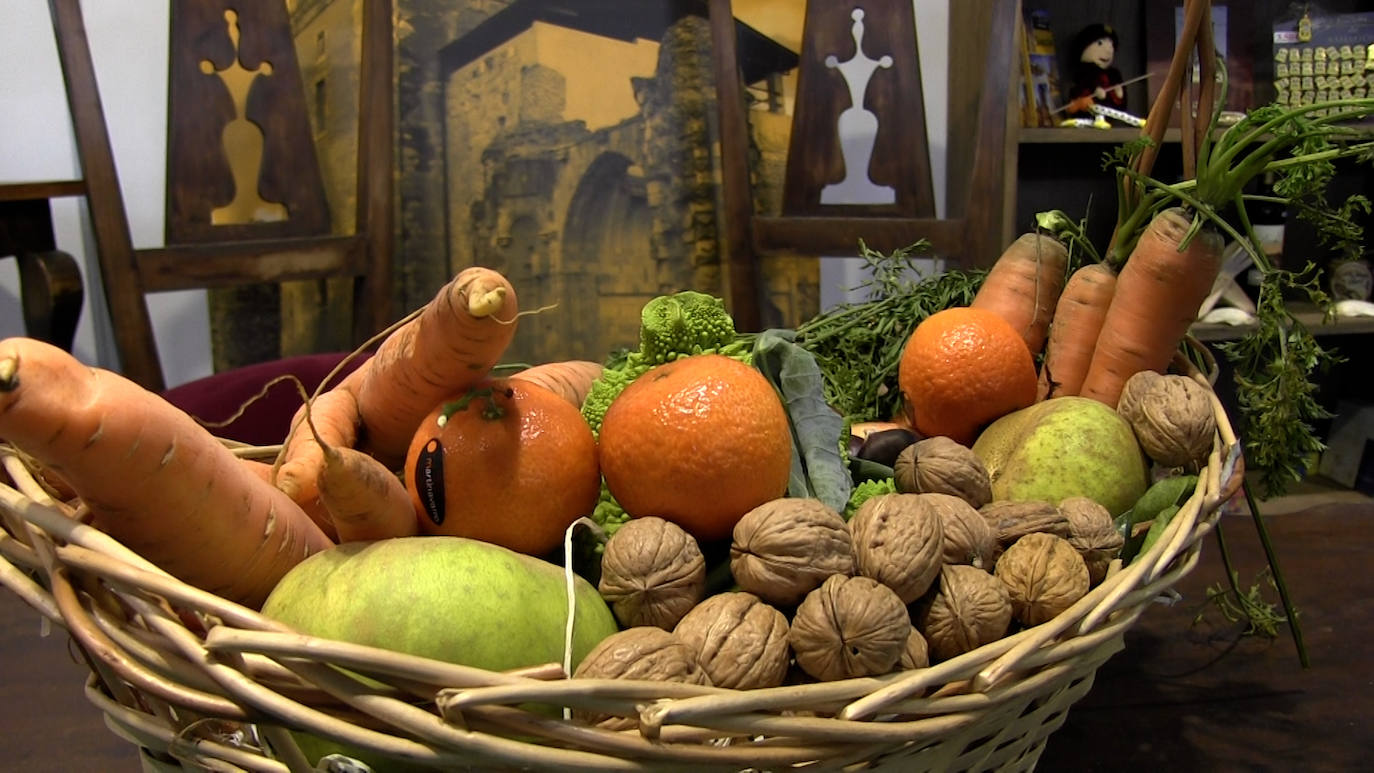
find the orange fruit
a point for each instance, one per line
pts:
(507, 462)
(699, 441)
(962, 368)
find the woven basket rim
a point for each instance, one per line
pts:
(169, 679)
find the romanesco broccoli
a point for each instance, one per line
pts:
(685, 323)
(865, 491)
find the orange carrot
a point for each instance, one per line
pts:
(336, 420)
(1024, 285)
(454, 342)
(1158, 293)
(153, 478)
(365, 501)
(1073, 332)
(569, 379)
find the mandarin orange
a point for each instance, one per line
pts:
(699, 441)
(961, 369)
(507, 462)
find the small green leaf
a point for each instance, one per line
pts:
(818, 470)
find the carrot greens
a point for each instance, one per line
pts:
(1295, 147)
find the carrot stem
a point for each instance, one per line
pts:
(1293, 625)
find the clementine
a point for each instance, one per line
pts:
(699, 441)
(962, 368)
(507, 462)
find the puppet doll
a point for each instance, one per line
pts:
(1092, 75)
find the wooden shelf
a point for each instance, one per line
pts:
(1312, 319)
(1087, 135)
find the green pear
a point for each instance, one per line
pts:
(445, 598)
(1061, 448)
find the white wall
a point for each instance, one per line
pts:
(128, 40)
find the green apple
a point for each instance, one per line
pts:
(1064, 447)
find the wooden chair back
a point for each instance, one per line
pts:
(859, 77)
(235, 93)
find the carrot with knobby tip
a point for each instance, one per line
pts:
(153, 478)
(569, 379)
(1158, 293)
(1024, 285)
(1074, 330)
(444, 347)
(452, 344)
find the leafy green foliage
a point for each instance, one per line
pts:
(819, 470)
(1274, 368)
(859, 345)
(1261, 617)
(865, 491)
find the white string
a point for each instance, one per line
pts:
(571, 591)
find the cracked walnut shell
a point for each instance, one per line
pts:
(1044, 576)
(738, 640)
(652, 573)
(899, 540)
(643, 652)
(970, 608)
(1172, 417)
(939, 465)
(784, 549)
(849, 627)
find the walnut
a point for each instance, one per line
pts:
(652, 573)
(1044, 575)
(968, 538)
(849, 627)
(784, 549)
(969, 609)
(916, 653)
(939, 465)
(1093, 533)
(898, 541)
(739, 641)
(643, 652)
(1172, 417)
(1011, 520)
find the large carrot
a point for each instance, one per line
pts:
(453, 343)
(1158, 293)
(1077, 322)
(569, 379)
(153, 478)
(1024, 285)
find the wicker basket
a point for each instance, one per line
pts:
(200, 683)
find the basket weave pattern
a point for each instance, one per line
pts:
(201, 683)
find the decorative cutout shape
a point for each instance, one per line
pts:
(857, 127)
(243, 141)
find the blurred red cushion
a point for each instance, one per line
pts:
(266, 420)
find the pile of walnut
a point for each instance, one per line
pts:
(913, 578)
